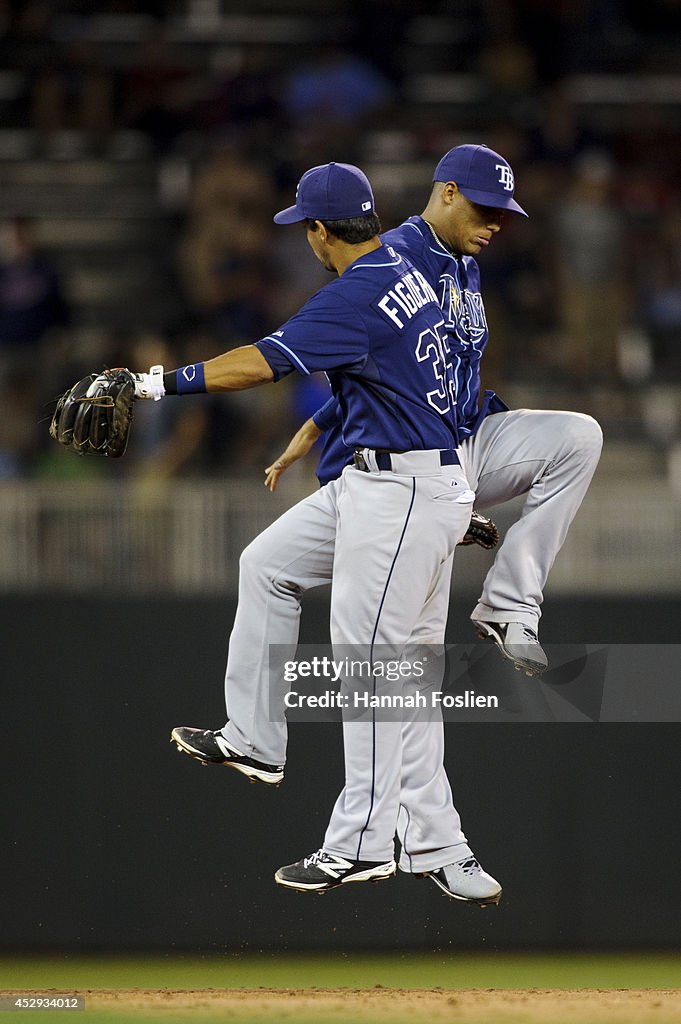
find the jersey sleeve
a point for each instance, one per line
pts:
(328, 416)
(328, 333)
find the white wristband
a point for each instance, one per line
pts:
(156, 382)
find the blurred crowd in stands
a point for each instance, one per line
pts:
(583, 299)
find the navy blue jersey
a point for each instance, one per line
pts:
(456, 279)
(378, 333)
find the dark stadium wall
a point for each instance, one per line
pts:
(113, 840)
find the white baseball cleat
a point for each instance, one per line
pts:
(465, 880)
(517, 642)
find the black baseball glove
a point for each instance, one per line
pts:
(94, 416)
(482, 531)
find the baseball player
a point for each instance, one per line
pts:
(550, 456)
(392, 521)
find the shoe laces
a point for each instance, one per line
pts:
(531, 635)
(314, 858)
(470, 866)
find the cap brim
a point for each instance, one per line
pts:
(291, 215)
(492, 199)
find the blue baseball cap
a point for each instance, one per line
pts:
(330, 192)
(482, 175)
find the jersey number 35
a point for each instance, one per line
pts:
(433, 347)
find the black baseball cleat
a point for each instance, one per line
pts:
(322, 871)
(517, 642)
(212, 748)
(465, 880)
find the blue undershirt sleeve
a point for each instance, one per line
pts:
(328, 416)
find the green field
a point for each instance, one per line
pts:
(405, 970)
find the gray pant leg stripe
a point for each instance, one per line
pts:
(404, 837)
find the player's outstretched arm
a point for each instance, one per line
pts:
(241, 368)
(298, 447)
(244, 367)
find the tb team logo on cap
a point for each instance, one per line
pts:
(482, 175)
(506, 177)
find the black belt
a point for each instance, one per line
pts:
(448, 457)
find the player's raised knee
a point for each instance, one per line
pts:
(590, 432)
(251, 560)
(582, 432)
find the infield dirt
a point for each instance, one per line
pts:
(341, 1005)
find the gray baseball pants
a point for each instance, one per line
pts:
(293, 555)
(550, 456)
(395, 540)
